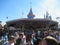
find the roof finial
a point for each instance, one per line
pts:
(44, 16)
(30, 4)
(22, 13)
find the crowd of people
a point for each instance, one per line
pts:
(49, 37)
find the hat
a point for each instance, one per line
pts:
(52, 38)
(11, 37)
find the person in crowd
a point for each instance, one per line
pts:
(34, 39)
(19, 41)
(57, 35)
(2, 40)
(30, 41)
(49, 40)
(24, 39)
(11, 41)
(39, 41)
(5, 38)
(45, 34)
(38, 33)
(50, 32)
(59, 43)
(16, 35)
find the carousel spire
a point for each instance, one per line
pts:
(30, 14)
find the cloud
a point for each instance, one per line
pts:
(51, 6)
(48, 5)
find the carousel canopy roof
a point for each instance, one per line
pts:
(26, 20)
(31, 23)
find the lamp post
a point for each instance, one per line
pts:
(0, 25)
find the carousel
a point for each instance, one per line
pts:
(31, 24)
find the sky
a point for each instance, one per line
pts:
(13, 9)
